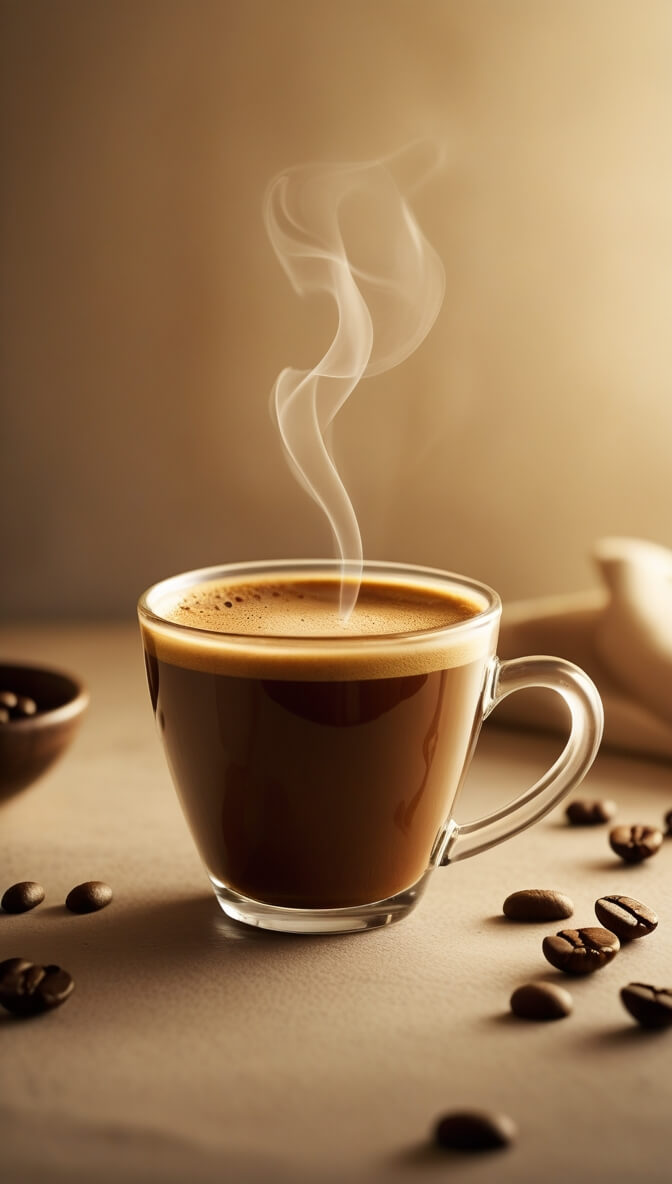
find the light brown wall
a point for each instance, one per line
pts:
(144, 316)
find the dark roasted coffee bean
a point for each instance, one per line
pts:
(474, 1130)
(30, 989)
(14, 706)
(10, 965)
(581, 951)
(56, 986)
(537, 904)
(650, 1006)
(635, 843)
(18, 990)
(668, 823)
(89, 897)
(22, 897)
(625, 917)
(541, 1001)
(590, 813)
(25, 706)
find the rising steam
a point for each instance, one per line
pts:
(347, 230)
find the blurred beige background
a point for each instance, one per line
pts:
(145, 317)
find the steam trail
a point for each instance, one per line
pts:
(387, 283)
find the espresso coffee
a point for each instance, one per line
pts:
(316, 759)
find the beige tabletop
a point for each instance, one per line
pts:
(196, 1050)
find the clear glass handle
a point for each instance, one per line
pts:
(587, 720)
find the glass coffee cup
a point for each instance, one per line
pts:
(318, 759)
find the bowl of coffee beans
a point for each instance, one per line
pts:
(40, 710)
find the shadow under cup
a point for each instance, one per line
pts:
(318, 770)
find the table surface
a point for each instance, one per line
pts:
(196, 1050)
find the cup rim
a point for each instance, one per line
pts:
(173, 585)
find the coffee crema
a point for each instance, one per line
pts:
(292, 628)
(309, 608)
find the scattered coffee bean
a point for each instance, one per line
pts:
(4, 715)
(537, 904)
(581, 951)
(541, 1001)
(635, 843)
(22, 897)
(89, 897)
(650, 1006)
(474, 1130)
(56, 986)
(626, 917)
(18, 987)
(29, 989)
(583, 812)
(668, 823)
(10, 965)
(8, 700)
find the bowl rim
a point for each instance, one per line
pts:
(75, 705)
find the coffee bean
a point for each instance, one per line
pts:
(581, 951)
(18, 987)
(474, 1130)
(541, 1001)
(650, 1006)
(56, 986)
(583, 812)
(30, 989)
(89, 897)
(537, 904)
(635, 843)
(15, 706)
(22, 897)
(10, 965)
(25, 706)
(626, 917)
(668, 823)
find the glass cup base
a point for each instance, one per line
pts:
(319, 921)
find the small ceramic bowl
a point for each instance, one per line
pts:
(29, 744)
